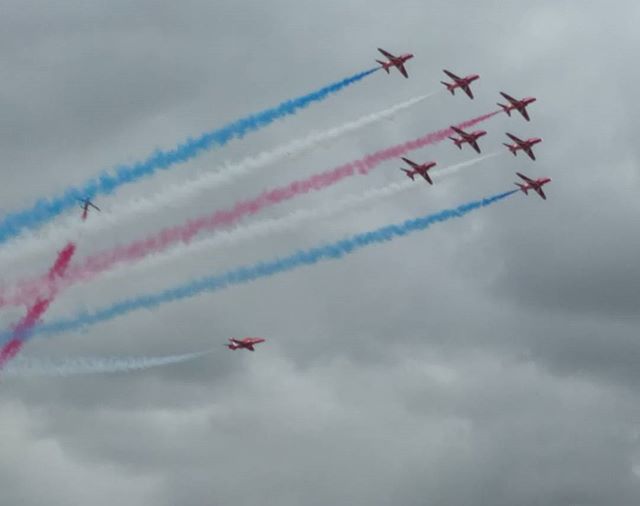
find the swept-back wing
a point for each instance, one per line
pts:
(413, 164)
(387, 54)
(529, 151)
(467, 90)
(514, 138)
(541, 193)
(475, 146)
(459, 131)
(451, 75)
(528, 180)
(509, 98)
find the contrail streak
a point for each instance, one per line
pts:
(180, 193)
(264, 269)
(47, 209)
(33, 367)
(36, 309)
(185, 233)
(267, 228)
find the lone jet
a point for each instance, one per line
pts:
(246, 343)
(533, 184)
(85, 204)
(519, 144)
(470, 138)
(395, 61)
(515, 104)
(460, 82)
(418, 169)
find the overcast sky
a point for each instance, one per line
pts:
(491, 360)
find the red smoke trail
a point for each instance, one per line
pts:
(38, 308)
(184, 233)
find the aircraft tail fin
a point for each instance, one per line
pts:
(510, 148)
(449, 87)
(384, 65)
(505, 108)
(409, 173)
(523, 188)
(456, 142)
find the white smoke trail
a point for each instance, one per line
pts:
(176, 194)
(29, 366)
(264, 228)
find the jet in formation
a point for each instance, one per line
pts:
(460, 82)
(394, 61)
(524, 145)
(470, 138)
(85, 204)
(246, 343)
(533, 184)
(515, 104)
(419, 169)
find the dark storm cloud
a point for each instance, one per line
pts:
(490, 360)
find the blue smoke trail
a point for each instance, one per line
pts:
(47, 209)
(264, 269)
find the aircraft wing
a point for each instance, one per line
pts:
(468, 91)
(387, 54)
(475, 146)
(541, 193)
(524, 113)
(528, 180)
(514, 138)
(509, 98)
(402, 70)
(250, 347)
(529, 151)
(451, 75)
(426, 177)
(94, 206)
(459, 131)
(413, 164)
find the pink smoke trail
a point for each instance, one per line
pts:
(38, 308)
(184, 233)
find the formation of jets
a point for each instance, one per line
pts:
(471, 138)
(422, 169)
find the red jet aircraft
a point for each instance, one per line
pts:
(515, 104)
(246, 343)
(470, 138)
(419, 169)
(395, 61)
(460, 82)
(533, 184)
(523, 145)
(84, 204)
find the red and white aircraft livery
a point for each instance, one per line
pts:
(519, 144)
(515, 104)
(85, 204)
(419, 169)
(246, 343)
(533, 184)
(460, 82)
(470, 138)
(395, 61)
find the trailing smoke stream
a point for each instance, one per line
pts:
(29, 367)
(22, 330)
(185, 233)
(266, 228)
(46, 209)
(264, 269)
(179, 193)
